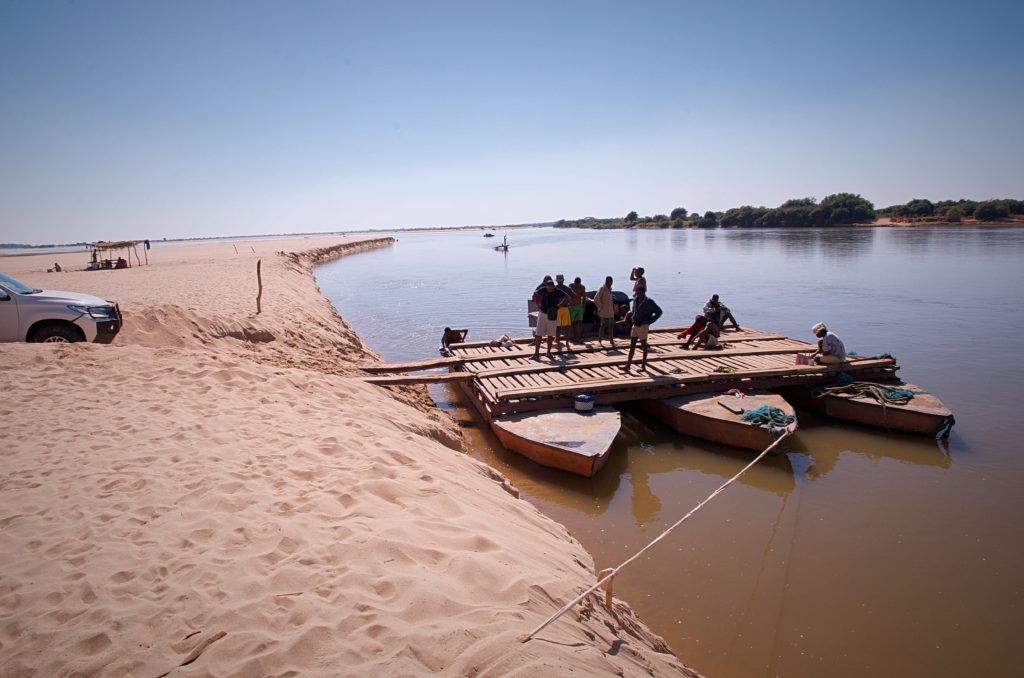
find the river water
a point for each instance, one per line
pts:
(856, 551)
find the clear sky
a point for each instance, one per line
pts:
(172, 119)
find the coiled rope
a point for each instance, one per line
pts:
(615, 570)
(883, 394)
(770, 417)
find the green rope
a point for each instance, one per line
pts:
(866, 389)
(772, 418)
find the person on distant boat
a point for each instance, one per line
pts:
(450, 337)
(548, 299)
(564, 326)
(707, 337)
(645, 312)
(637, 276)
(720, 312)
(576, 307)
(605, 312)
(830, 349)
(699, 322)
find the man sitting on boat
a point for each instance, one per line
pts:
(645, 312)
(830, 349)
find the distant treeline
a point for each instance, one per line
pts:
(834, 210)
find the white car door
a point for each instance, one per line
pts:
(8, 315)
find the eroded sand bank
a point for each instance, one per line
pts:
(216, 493)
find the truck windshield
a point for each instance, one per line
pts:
(15, 285)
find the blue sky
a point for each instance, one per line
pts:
(184, 119)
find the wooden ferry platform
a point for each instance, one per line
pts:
(526, 401)
(508, 380)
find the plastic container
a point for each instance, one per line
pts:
(584, 403)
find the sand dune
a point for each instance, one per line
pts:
(217, 493)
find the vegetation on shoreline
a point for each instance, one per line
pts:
(840, 209)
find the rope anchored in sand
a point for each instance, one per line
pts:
(611, 572)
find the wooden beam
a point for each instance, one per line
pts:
(437, 378)
(428, 364)
(630, 381)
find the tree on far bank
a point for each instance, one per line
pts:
(632, 217)
(678, 213)
(991, 210)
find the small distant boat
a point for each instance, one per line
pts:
(895, 406)
(719, 417)
(488, 235)
(503, 247)
(577, 442)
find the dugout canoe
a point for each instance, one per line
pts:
(924, 414)
(577, 442)
(718, 417)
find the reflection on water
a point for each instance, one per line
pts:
(854, 550)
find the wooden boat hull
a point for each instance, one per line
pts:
(702, 415)
(924, 414)
(577, 442)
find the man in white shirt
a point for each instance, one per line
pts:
(830, 349)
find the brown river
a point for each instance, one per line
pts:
(853, 552)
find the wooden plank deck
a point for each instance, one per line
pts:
(508, 380)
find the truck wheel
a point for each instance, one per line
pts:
(55, 333)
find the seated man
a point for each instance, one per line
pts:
(450, 337)
(707, 337)
(719, 312)
(830, 349)
(699, 322)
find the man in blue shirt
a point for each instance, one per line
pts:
(645, 312)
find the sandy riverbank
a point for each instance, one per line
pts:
(217, 493)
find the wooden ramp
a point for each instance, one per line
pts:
(508, 380)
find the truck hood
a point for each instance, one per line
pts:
(61, 297)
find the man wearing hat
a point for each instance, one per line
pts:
(830, 349)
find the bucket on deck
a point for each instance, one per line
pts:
(584, 403)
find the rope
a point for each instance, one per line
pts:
(883, 394)
(615, 570)
(770, 417)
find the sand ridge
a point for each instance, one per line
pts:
(217, 493)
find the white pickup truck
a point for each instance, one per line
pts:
(28, 314)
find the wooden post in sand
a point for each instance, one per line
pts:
(259, 279)
(607, 586)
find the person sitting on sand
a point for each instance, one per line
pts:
(56, 267)
(450, 337)
(831, 350)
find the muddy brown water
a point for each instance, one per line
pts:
(853, 551)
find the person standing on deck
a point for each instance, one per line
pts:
(576, 306)
(637, 276)
(645, 312)
(564, 326)
(830, 349)
(547, 297)
(605, 312)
